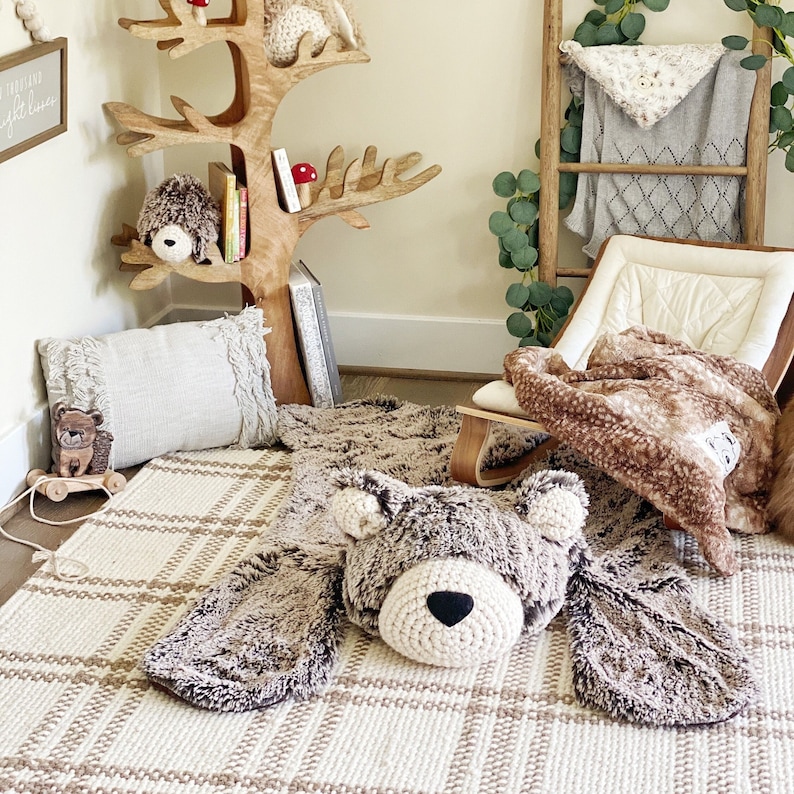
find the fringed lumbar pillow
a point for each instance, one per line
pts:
(183, 386)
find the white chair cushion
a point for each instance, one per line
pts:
(728, 301)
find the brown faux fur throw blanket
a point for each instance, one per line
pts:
(691, 432)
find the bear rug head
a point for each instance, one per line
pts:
(453, 576)
(179, 218)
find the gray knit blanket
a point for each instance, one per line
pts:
(708, 127)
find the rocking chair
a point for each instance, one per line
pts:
(722, 298)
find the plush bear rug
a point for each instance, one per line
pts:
(79, 714)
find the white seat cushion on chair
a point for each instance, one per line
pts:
(729, 301)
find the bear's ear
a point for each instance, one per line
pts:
(366, 502)
(58, 410)
(555, 502)
(96, 415)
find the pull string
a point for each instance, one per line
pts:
(65, 568)
(31, 19)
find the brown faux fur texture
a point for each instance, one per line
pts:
(640, 646)
(634, 412)
(781, 491)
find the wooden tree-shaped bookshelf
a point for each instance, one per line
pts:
(246, 126)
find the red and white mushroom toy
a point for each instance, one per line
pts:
(303, 175)
(198, 10)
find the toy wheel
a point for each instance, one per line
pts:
(33, 475)
(115, 482)
(56, 491)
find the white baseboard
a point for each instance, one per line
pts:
(25, 448)
(360, 340)
(439, 344)
(445, 344)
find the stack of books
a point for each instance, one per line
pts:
(232, 196)
(314, 337)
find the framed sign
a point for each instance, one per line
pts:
(32, 97)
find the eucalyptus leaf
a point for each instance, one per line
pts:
(544, 338)
(564, 199)
(514, 240)
(656, 5)
(753, 62)
(517, 295)
(537, 148)
(787, 26)
(505, 260)
(568, 183)
(787, 78)
(735, 42)
(524, 212)
(790, 160)
(608, 34)
(785, 140)
(539, 293)
(586, 34)
(613, 6)
(575, 116)
(530, 341)
(571, 139)
(778, 95)
(524, 258)
(500, 223)
(518, 324)
(559, 306)
(504, 184)
(564, 293)
(595, 17)
(558, 324)
(781, 118)
(768, 16)
(736, 5)
(632, 25)
(527, 182)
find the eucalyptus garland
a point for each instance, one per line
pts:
(541, 310)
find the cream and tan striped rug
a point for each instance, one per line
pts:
(77, 715)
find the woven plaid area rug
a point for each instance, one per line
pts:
(77, 715)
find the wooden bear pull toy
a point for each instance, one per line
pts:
(80, 452)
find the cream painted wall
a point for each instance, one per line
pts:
(458, 82)
(61, 202)
(461, 84)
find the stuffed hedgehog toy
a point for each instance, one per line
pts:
(453, 576)
(179, 218)
(286, 21)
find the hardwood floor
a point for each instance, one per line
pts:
(418, 387)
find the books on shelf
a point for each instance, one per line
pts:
(223, 187)
(285, 184)
(243, 199)
(314, 337)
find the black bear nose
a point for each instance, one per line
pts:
(449, 607)
(169, 243)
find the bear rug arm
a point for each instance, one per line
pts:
(647, 653)
(267, 632)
